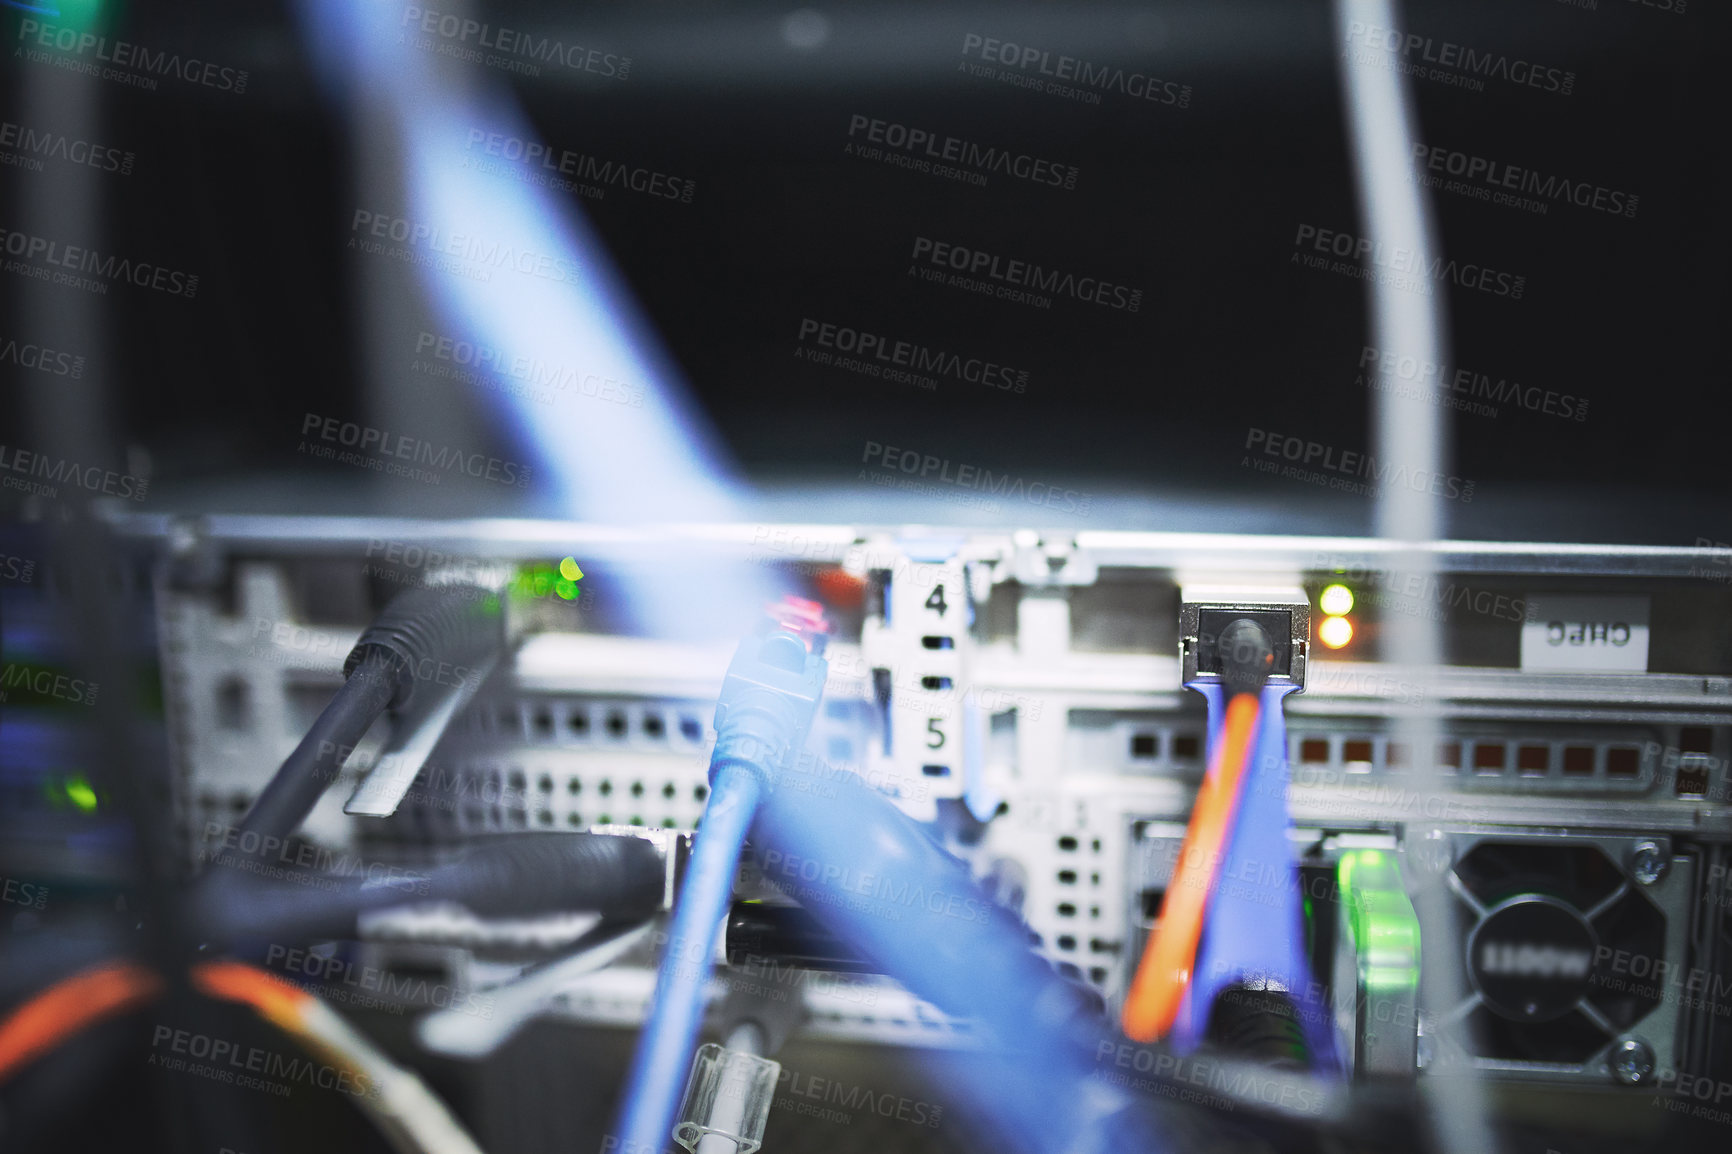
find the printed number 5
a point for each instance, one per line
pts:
(934, 735)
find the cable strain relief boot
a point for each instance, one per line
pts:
(768, 701)
(437, 633)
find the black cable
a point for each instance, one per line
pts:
(523, 874)
(1259, 1025)
(792, 937)
(425, 634)
(296, 788)
(1246, 655)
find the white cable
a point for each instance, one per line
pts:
(1408, 320)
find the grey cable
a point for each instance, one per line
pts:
(1396, 219)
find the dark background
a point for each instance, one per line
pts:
(1197, 206)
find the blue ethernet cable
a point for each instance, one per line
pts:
(874, 877)
(1254, 931)
(767, 704)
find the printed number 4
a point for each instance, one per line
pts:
(936, 600)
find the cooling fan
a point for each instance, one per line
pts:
(1573, 949)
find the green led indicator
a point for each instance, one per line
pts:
(1336, 600)
(79, 793)
(74, 790)
(543, 579)
(83, 15)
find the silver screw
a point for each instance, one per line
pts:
(1632, 1061)
(1648, 863)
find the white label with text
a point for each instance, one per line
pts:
(1586, 634)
